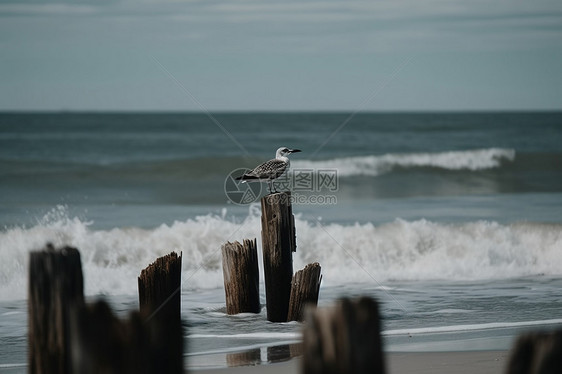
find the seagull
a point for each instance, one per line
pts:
(271, 169)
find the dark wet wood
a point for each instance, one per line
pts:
(104, 343)
(55, 288)
(278, 242)
(241, 277)
(344, 338)
(160, 303)
(304, 291)
(536, 352)
(159, 287)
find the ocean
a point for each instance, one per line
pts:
(453, 221)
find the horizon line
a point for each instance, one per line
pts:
(275, 111)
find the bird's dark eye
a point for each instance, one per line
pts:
(286, 150)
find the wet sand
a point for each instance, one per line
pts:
(479, 362)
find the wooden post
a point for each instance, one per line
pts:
(343, 339)
(160, 286)
(304, 290)
(66, 336)
(241, 277)
(278, 242)
(55, 287)
(536, 352)
(103, 343)
(159, 299)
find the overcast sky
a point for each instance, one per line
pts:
(280, 55)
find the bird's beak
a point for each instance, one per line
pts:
(294, 150)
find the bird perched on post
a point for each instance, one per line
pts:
(270, 170)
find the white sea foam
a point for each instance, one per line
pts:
(471, 327)
(450, 311)
(477, 159)
(398, 250)
(393, 332)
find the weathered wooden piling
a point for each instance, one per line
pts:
(66, 336)
(159, 287)
(278, 242)
(55, 288)
(304, 291)
(343, 339)
(104, 343)
(536, 352)
(159, 299)
(241, 277)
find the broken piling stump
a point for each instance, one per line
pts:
(343, 339)
(159, 287)
(278, 244)
(104, 343)
(241, 277)
(55, 288)
(67, 336)
(159, 299)
(304, 291)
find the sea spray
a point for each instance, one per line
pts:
(399, 250)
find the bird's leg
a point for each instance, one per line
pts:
(273, 187)
(269, 185)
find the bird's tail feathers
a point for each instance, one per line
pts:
(246, 177)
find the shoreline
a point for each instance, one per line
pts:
(467, 362)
